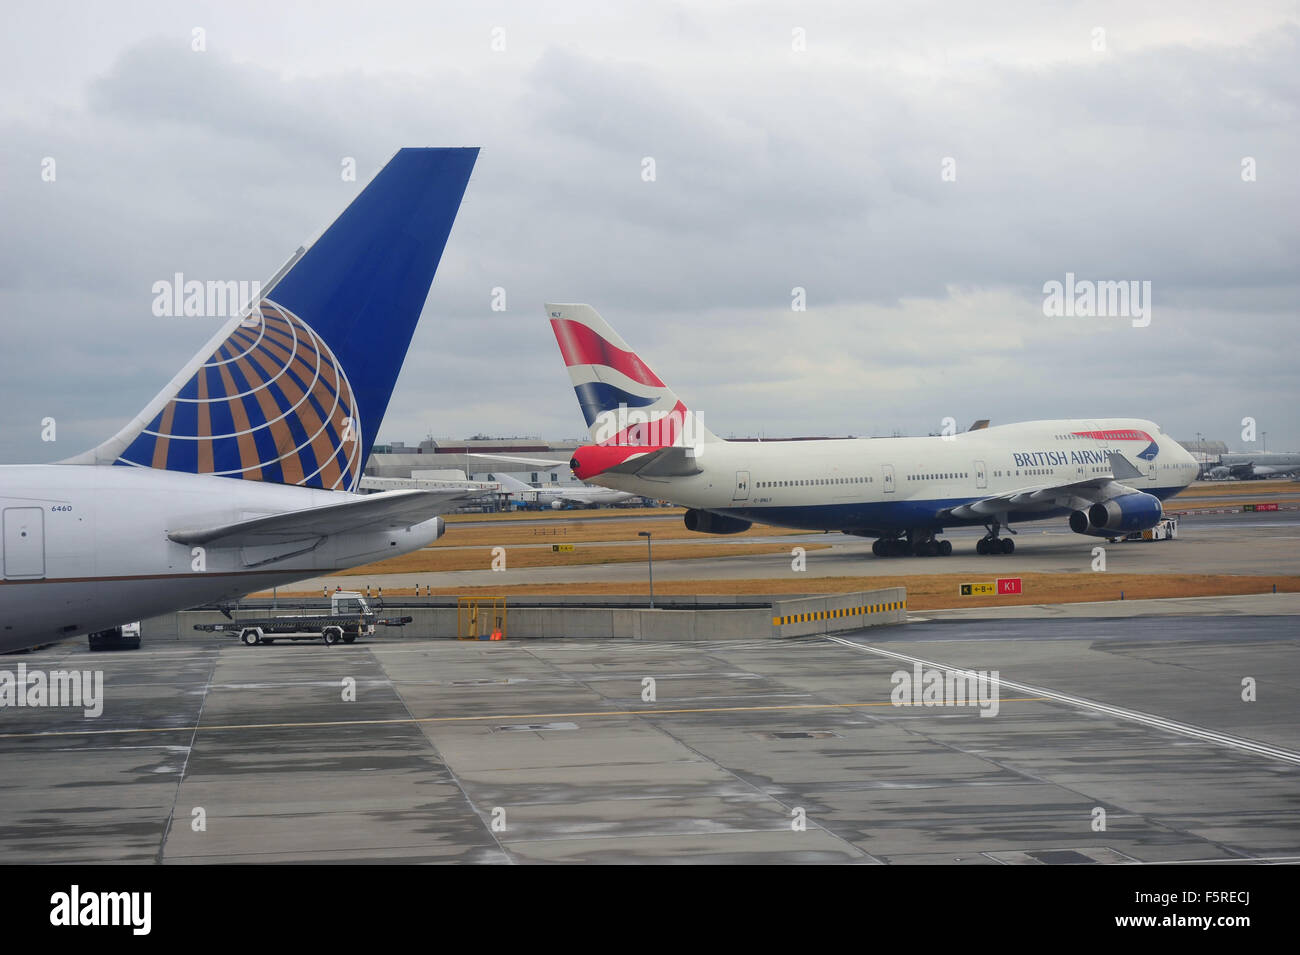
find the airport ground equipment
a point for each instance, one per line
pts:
(481, 618)
(349, 616)
(1166, 530)
(125, 637)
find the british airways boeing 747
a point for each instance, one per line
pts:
(1106, 476)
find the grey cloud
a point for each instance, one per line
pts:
(925, 296)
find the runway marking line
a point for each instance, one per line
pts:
(1135, 716)
(469, 719)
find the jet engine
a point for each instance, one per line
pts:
(707, 523)
(1119, 515)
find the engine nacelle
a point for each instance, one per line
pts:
(1119, 515)
(706, 523)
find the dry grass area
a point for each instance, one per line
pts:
(433, 560)
(1239, 488)
(933, 591)
(584, 529)
(1230, 493)
(562, 515)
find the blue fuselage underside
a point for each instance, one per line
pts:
(888, 516)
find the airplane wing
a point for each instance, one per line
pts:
(388, 511)
(1077, 495)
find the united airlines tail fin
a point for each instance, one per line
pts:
(624, 402)
(294, 390)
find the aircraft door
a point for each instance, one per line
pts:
(887, 477)
(24, 542)
(742, 486)
(1151, 471)
(981, 476)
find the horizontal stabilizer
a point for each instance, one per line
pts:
(543, 463)
(392, 510)
(426, 484)
(660, 463)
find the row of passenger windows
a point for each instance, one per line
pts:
(812, 482)
(940, 476)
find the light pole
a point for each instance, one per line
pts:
(650, 563)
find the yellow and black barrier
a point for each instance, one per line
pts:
(834, 612)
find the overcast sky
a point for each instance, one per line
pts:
(1102, 139)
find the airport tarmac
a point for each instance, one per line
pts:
(1241, 543)
(1115, 740)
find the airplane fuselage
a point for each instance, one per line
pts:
(86, 548)
(884, 486)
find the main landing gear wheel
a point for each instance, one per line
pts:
(891, 547)
(913, 545)
(992, 545)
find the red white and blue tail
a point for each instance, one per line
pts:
(624, 402)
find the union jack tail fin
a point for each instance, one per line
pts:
(624, 402)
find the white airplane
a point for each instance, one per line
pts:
(1245, 466)
(240, 474)
(901, 491)
(556, 495)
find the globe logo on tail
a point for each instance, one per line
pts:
(272, 403)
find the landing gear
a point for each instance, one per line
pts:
(891, 547)
(916, 543)
(992, 544)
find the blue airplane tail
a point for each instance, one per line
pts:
(294, 390)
